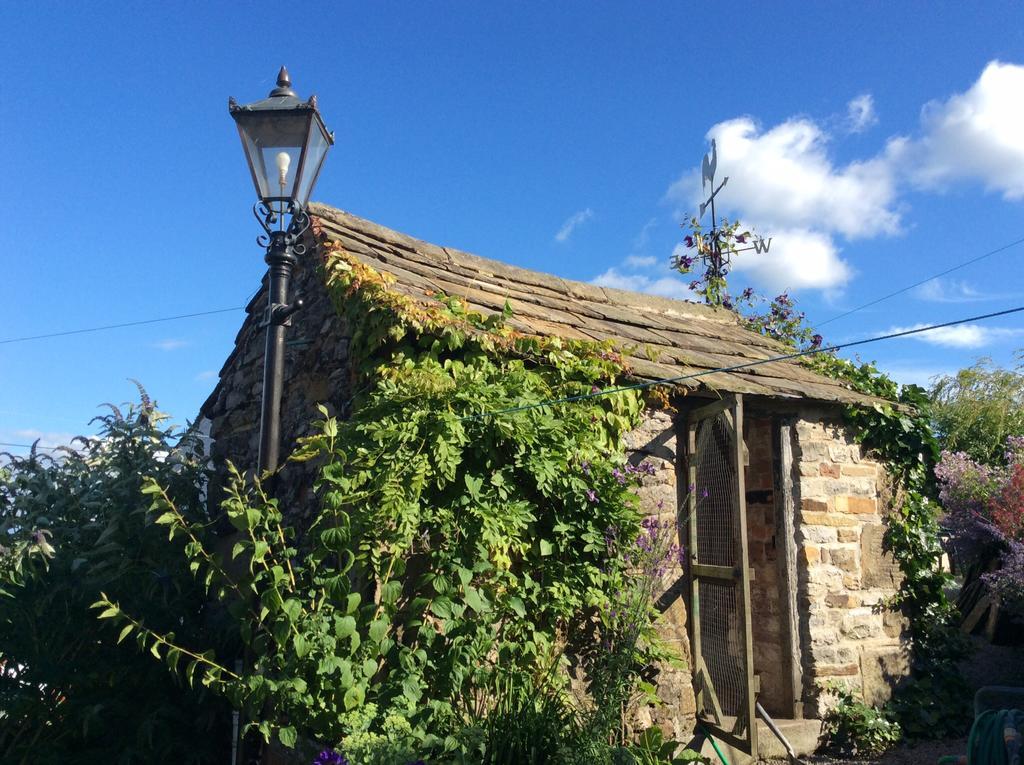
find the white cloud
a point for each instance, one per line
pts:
(170, 344)
(923, 375)
(666, 286)
(962, 335)
(644, 237)
(640, 261)
(948, 291)
(799, 258)
(860, 113)
(783, 180)
(783, 177)
(573, 222)
(973, 135)
(49, 439)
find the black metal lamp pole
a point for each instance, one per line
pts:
(282, 251)
(285, 142)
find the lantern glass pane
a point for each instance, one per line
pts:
(273, 142)
(316, 152)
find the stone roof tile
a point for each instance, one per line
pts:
(683, 338)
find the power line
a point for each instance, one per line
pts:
(736, 367)
(923, 281)
(706, 372)
(29, 446)
(118, 326)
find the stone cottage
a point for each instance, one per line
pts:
(806, 513)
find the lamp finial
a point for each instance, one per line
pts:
(284, 84)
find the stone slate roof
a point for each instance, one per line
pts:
(660, 337)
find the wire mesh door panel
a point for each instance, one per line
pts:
(719, 575)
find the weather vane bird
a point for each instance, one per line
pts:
(710, 248)
(709, 166)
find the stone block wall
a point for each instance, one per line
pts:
(316, 372)
(845, 574)
(654, 441)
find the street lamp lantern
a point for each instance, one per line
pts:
(285, 142)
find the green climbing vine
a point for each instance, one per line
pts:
(455, 551)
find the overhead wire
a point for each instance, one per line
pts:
(738, 367)
(65, 333)
(105, 327)
(197, 314)
(706, 372)
(909, 287)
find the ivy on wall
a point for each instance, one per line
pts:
(455, 551)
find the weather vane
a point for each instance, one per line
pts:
(709, 247)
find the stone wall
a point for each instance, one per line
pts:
(654, 441)
(316, 372)
(845, 575)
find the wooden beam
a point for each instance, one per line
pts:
(785, 536)
(743, 558)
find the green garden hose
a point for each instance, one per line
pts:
(996, 738)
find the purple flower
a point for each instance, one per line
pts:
(585, 467)
(695, 285)
(685, 262)
(689, 241)
(330, 757)
(816, 341)
(704, 494)
(591, 495)
(748, 293)
(741, 238)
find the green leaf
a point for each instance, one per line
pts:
(125, 632)
(344, 627)
(287, 736)
(353, 698)
(292, 609)
(378, 630)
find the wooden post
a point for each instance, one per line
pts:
(743, 562)
(785, 536)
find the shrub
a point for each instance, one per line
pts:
(852, 727)
(978, 408)
(73, 526)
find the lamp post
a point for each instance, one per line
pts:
(285, 142)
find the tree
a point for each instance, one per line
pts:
(74, 526)
(978, 408)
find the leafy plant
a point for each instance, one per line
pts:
(713, 245)
(978, 408)
(851, 727)
(462, 538)
(72, 526)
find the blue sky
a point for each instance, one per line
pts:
(877, 143)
